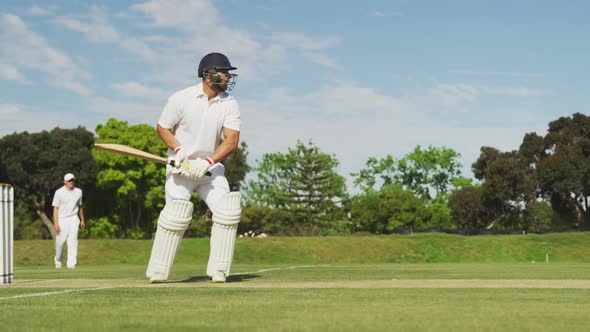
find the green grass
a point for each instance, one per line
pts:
(311, 284)
(197, 309)
(416, 248)
(405, 271)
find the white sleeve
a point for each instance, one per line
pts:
(171, 115)
(56, 199)
(232, 118)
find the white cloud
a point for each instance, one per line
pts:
(38, 11)
(310, 47)
(11, 73)
(356, 122)
(201, 29)
(98, 29)
(379, 13)
(138, 90)
(125, 110)
(8, 110)
(321, 59)
(498, 73)
(513, 91)
(19, 118)
(305, 42)
(25, 49)
(179, 14)
(456, 95)
(77, 87)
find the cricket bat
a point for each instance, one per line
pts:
(133, 152)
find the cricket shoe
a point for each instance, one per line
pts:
(155, 280)
(218, 277)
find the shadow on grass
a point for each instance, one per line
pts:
(234, 278)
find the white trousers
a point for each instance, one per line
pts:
(68, 232)
(209, 188)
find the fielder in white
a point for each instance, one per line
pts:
(68, 215)
(191, 125)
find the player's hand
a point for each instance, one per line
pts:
(179, 171)
(179, 156)
(56, 227)
(82, 224)
(199, 167)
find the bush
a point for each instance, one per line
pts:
(538, 216)
(198, 228)
(30, 230)
(338, 227)
(100, 228)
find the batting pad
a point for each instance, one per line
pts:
(174, 220)
(223, 233)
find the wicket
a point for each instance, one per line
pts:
(6, 232)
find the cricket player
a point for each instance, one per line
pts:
(191, 125)
(68, 215)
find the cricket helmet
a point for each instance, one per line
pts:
(214, 61)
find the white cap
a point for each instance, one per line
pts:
(69, 177)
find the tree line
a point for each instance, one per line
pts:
(541, 186)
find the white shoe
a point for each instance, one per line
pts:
(71, 267)
(58, 266)
(218, 277)
(156, 280)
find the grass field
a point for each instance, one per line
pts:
(428, 282)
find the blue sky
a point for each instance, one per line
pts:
(360, 79)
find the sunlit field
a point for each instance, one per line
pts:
(299, 293)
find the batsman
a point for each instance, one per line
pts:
(191, 125)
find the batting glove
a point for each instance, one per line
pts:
(199, 167)
(180, 171)
(179, 156)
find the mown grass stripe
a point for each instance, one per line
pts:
(53, 293)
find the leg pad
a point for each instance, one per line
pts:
(223, 235)
(174, 220)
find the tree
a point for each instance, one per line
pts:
(508, 186)
(553, 169)
(538, 216)
(36, 163)
(564, 168)
(383, 211)
(129, 190)
(303, 181)
(427, 172)
(467, 209)
(236, 167)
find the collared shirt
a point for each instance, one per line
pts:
(67, 201)
(198, 122)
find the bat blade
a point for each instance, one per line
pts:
(131, 152)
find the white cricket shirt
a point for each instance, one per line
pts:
(198, 122)
(68, 201)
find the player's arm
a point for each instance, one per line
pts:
(229, 145)
(55, 218)
(167, 137)
(82, 223)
